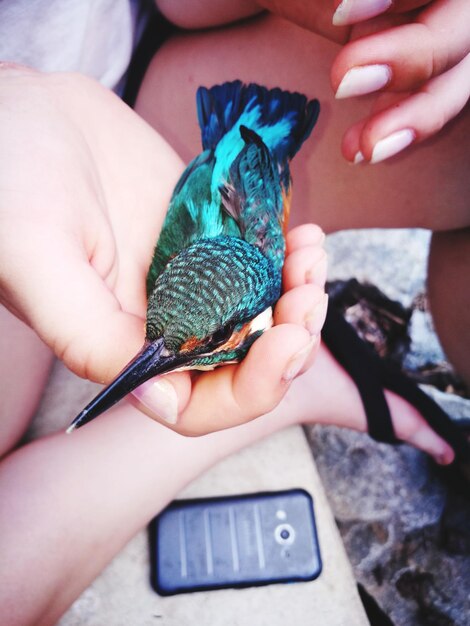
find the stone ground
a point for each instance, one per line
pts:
(405, 525)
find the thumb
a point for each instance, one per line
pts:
(62, 297)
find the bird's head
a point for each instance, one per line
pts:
(208, 306)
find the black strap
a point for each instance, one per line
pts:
(359, 360)
(372, 374)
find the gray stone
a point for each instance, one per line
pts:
(405, 523)
(405, 529)
(394, 260)
(425, 346)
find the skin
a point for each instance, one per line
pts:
(429, 186)
(419, 40)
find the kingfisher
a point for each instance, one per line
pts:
(216, 270)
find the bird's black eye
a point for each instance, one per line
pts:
(221, 335)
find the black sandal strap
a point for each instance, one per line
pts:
(394, 380)
(359, 360)
(372, 374)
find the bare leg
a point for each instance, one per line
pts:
(70, 503)
(24, 367)
(449, 266)
(427, 186)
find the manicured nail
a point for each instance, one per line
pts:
(394, 143)
(316, 317)
(159, 396)
(296, 362)
(359, 158)
(317, 274)
(363, 79)
(352, 11)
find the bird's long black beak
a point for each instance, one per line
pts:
(147, 363)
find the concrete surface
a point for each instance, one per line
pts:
(122, 596)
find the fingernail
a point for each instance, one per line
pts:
(444, 459)
(159, 396)
(359, 158)
(296, 362)
(351, 11)
(394, 143)
(317, 274)
(363, 79)
(315, 319)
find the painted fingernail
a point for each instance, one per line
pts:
(352, 11)
(363, 79)
(159, 396)
(317, 274)
(394, 143)
(316, 317)
(296, 362)
(359, 158)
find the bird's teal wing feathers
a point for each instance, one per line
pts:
(192, 214)
(252, 195)
(239, 185)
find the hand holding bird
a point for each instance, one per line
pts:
(217, 267)
(76, 273)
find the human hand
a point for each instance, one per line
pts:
(417, 57)
(414, 53)
(196, 403)
(84, 187)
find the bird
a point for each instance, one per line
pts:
(215, 274)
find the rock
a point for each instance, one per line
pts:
(404, 525)
(425, 347)
(394, 260)
(405, 522)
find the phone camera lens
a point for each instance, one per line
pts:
(284, 534)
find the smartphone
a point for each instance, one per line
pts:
(234, 541)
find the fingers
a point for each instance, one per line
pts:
(306, 260)
(79, 317)
(306, 265)
(198, 403)
(314, 16)
(305, 306)
(403, 58)
(401, 121)
(235, 394)
(353, 11)
(304, 235)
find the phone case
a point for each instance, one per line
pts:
(234, 541)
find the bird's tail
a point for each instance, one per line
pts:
(283, 119)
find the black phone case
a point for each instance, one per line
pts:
(234, 541)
